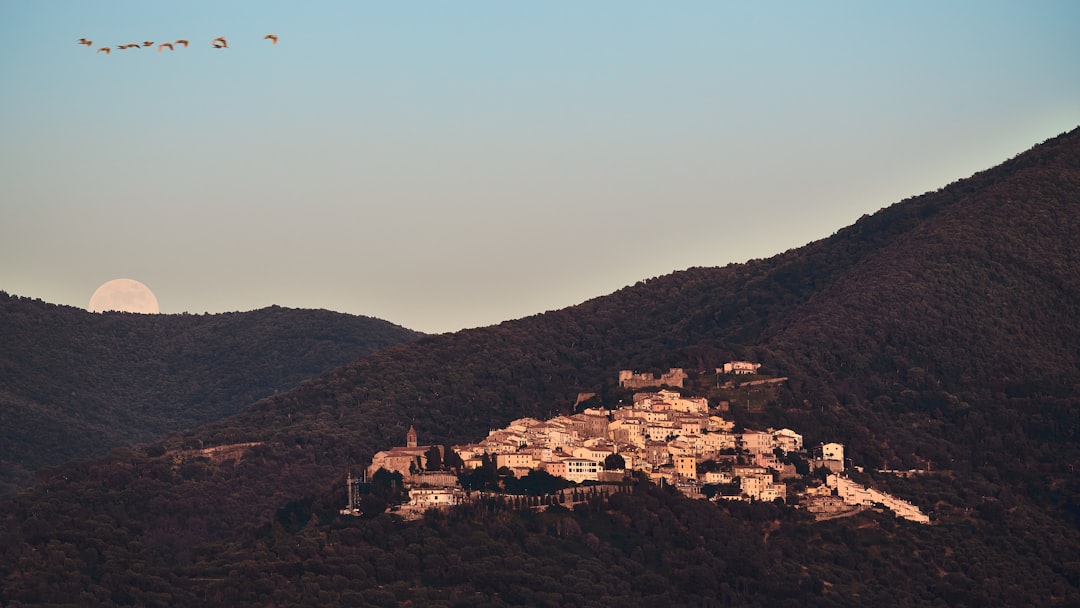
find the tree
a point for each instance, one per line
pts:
(433, 457)
(537, 483)
(801, 466)
(614, 462)
(386, 485)
(451, 459)
(708, 466)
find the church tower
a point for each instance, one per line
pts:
(410, 438)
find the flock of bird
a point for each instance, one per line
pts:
(218, 43)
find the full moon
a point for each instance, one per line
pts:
(124, 295)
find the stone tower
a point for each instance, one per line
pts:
(410, 438)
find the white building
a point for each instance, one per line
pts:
(856, 494)
(788, 440)
(832, 451)
(433, 498)
(738, 367)
(830, 456)
(582, 469)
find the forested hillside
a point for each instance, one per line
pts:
(960, 337)
(75, 384)
(938, 333)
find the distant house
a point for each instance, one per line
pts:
(761, 486)
(830, 456)
(832, 451)
(656, 453)
(593, 422)
(738, 367)
(748, 470)
(756, 442)
(595, 450)
(582, 469)
(666, 400)
(788, 440)
(717, 477)
(515, 460)
(716, 423)
(686, 466)
(422, 499)
(556, 467)
(628, 430)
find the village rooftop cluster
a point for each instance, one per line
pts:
(670, 438)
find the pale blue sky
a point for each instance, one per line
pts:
(454, 164)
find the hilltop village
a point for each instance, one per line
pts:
(667, 437)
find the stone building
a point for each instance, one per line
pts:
(674, 377)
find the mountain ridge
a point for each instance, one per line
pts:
(85, 383)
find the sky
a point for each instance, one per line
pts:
(444, 165)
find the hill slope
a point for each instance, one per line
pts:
(972, 288)
(992, 277)
(75, 384)
(911, 337)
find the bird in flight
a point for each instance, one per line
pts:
(218, 43)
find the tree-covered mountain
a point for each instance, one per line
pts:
(939, 333)
(75, 384)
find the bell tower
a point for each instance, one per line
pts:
(410, 438)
